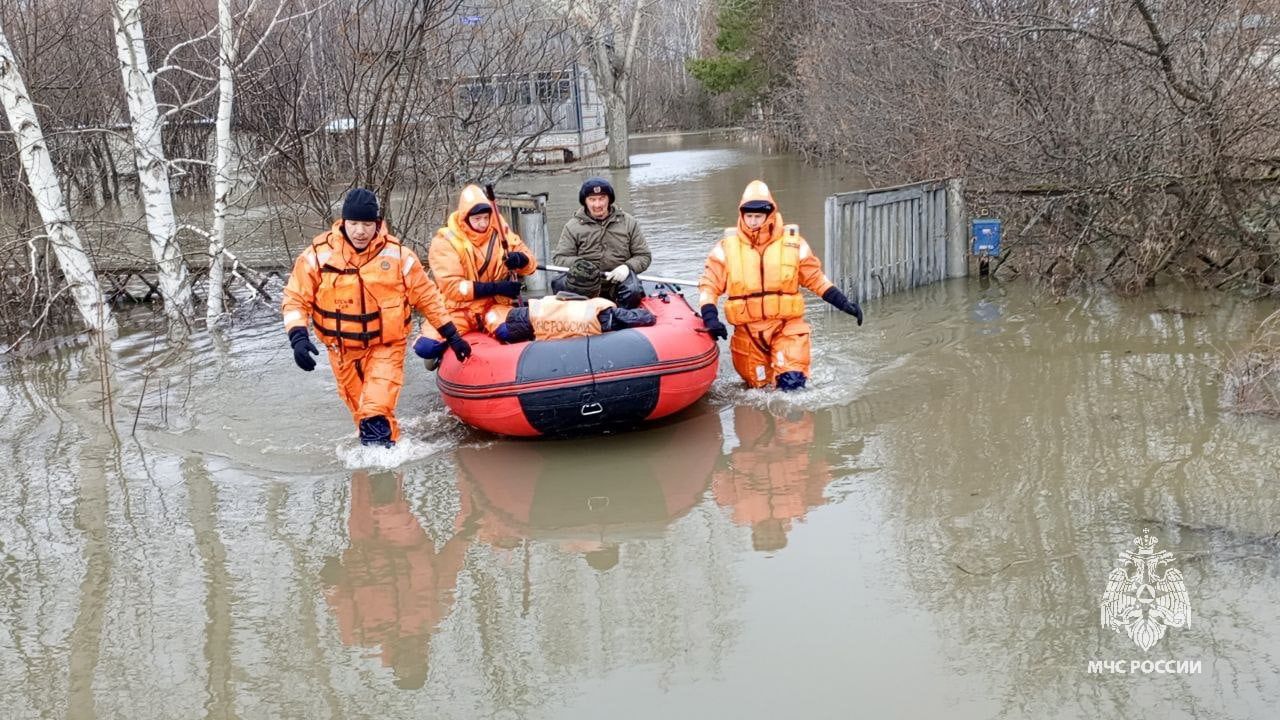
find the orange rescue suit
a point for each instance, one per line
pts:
(762, 270)
(392, 587)
(771, 478)
(460, 257)
(556, 318)
(361, 305)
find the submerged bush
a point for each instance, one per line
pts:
(1252, 378)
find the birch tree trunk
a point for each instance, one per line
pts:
(41, 178)
(222, 159)
(153, 169)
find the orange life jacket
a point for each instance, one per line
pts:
(556, 318)
(763, 283)
(361, 300)
(491, 270)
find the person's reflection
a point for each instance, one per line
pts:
(392, 587)
(588, 496)
(773, 476)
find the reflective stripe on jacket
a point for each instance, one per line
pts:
(460, 258)
(359, 298)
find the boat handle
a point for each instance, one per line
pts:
(592, 409)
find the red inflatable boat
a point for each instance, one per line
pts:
(584, 385)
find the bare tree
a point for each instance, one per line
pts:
(1122, 140)
(609, 33)
(45, 189)
(662, 94)
(153, 167)
(410, 100)
(225, 153)
(222, 161)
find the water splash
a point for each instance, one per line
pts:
(355, 456)
(422, 436)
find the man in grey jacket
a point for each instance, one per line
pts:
(610, 238)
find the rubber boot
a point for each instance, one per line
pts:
(376, 430)
(791, 380)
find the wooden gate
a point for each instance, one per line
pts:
(890, 239)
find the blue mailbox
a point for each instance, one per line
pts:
(986, 236)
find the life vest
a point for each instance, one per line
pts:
(555, 318)
(490, 270)
(763, 283)
(357, 306)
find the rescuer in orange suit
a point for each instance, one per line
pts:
(475, 259)
(762, 265)
(574, 312)
(391, 587)
(770, 480)
(358, 286)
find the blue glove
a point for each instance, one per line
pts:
(711, 320)
(303, 349)
(428, 349)
(516, 260)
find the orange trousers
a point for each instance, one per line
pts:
(765, 349)
(369, 381)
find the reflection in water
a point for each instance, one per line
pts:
(1062, 437)
(774, 475)
(594, 561)
(391, 587)
(548, 492)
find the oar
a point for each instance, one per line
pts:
(647, 278)
(502, 232)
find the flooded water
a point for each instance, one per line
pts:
(927, 531)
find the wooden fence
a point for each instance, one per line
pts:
(890, 239)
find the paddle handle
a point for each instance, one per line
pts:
(648, 278)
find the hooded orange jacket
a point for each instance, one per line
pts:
(460, 257)
(763, 269)
(357, 299)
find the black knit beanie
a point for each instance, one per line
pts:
(361, 204)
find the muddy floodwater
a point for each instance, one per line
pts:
(927, 531)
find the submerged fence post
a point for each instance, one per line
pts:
(832, 261)
(957, 230)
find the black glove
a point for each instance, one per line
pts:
(837, 299)
(629, 293)
(303, 348)
(516, 260)
(461, 348)
(509, 288)
(711, 319)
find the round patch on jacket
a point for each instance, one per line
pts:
(386, 265)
